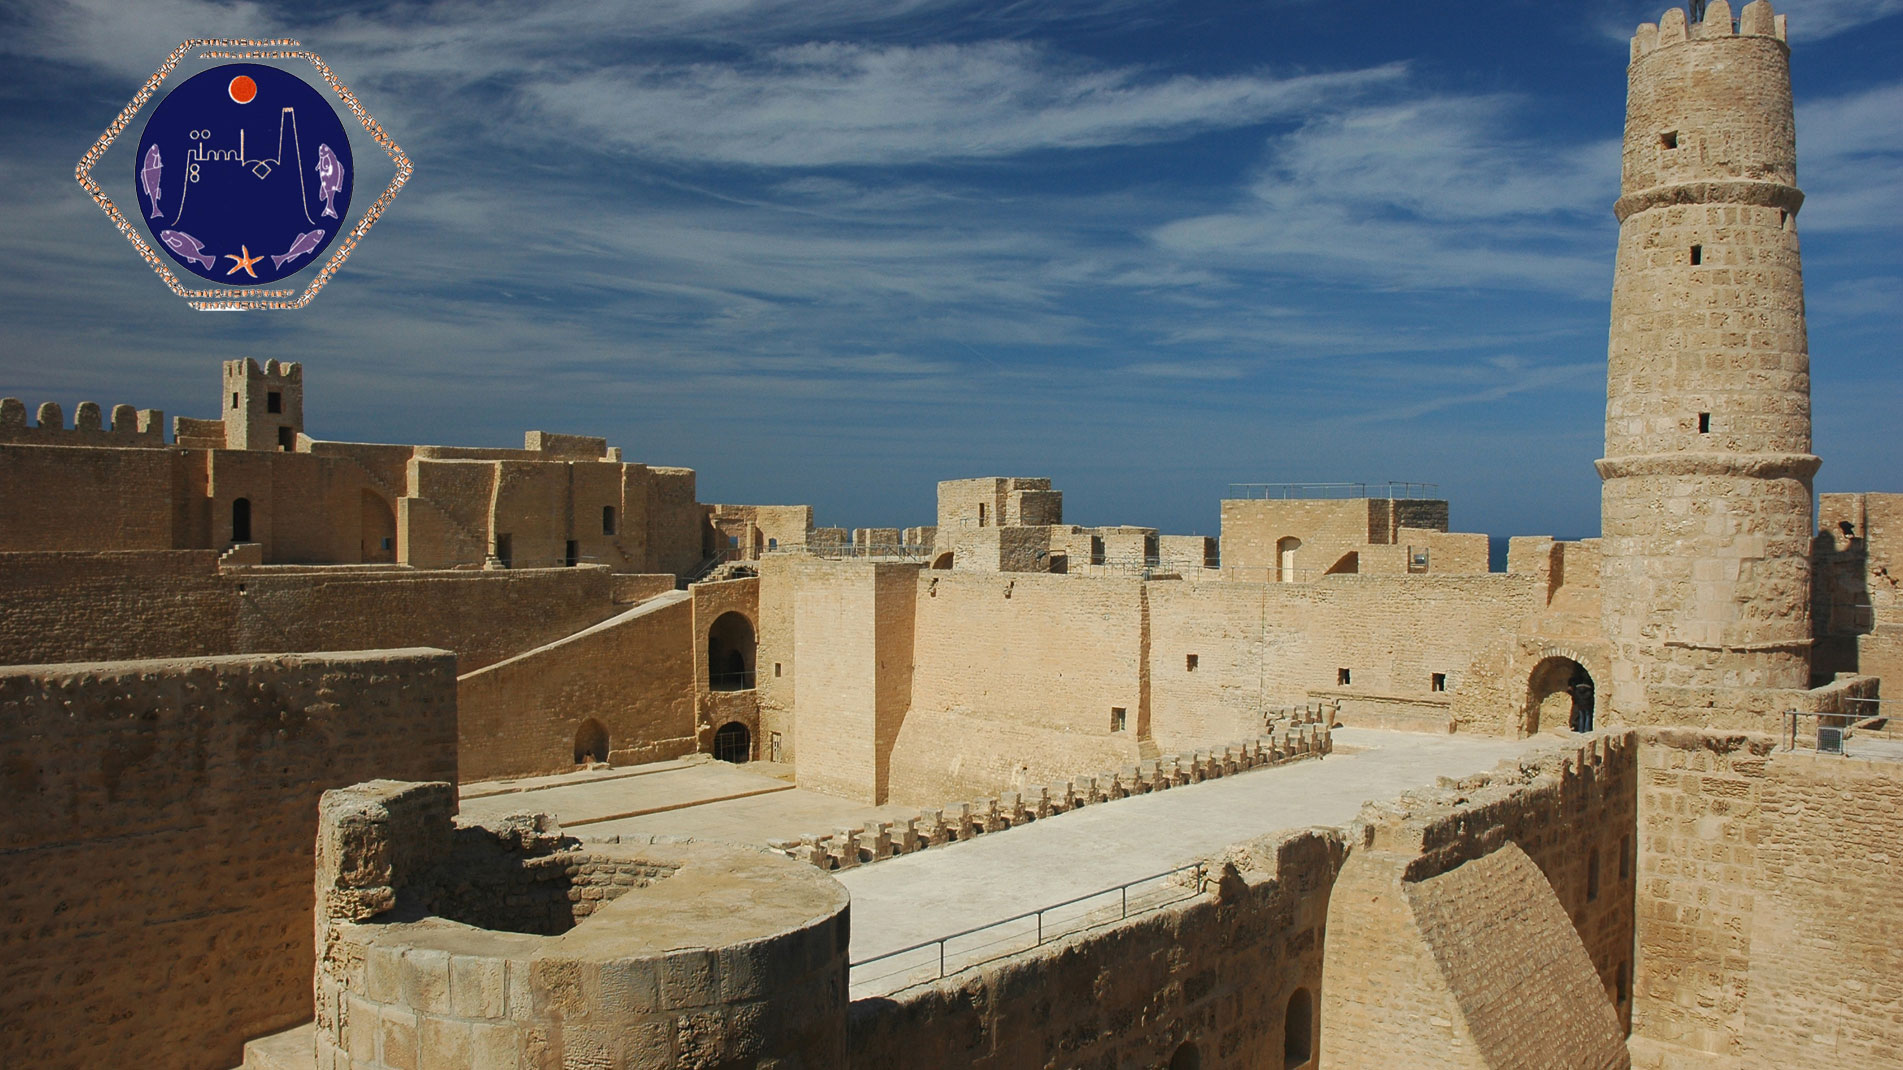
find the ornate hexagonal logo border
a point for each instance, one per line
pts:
(236, 300)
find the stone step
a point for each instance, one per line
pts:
(293, 1049)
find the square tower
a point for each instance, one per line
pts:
(264, 407)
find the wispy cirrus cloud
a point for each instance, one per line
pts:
(828, 104)
(1428, 193)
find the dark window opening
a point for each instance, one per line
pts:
(1189, 662)
(733, 743)
(1298, 1029)
(776, 670)
(1342, 677)
(591, 742)
(386, 543)
(1437, 682)
(505, 551)
(981, 514)
(1669, 139)
(241, 520)
(287, 440)
(1625, 858)
(1186, 1058)
(1622, 983)
(607, 520)
(1704, 423)
(1592, 875)
(234, 401)
(733, 540)
(1698, 255)
(273, 402)
(571, 554)
(1783, 218)
(1118, 718)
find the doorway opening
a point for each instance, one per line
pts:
(733, 743)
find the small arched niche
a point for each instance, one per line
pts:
(1298, 1030)
(942, 561)
(591, 742)
(1285, 548)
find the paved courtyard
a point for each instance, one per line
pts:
(960, 886)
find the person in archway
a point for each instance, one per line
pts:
(1581, 687)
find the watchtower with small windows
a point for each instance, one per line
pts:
(264, 406)
(1706, 499)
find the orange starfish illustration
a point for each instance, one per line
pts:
(243, 262)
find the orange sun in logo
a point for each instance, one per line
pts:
(243, 89)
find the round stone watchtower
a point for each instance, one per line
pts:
(1706, 503)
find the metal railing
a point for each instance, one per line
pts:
(1391, 489)
(1835, 728)
(730, 681)
(931, 960)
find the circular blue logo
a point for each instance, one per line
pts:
(243, 174)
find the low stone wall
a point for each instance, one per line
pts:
(155, 823)
(513, 946)
(1228, 979)
(881, 839)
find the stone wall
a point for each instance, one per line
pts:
(155, 823)
(633, 675)
(100, 499)
(1764, 879)
(853, 639)
(78, 606)
(1216, 972)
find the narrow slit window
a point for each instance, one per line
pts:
(1189, 662)
(570, 554)
(1622, 983)
(1704, 423)
(1668, 140)
(1592, 877)
(1438, 682)
(776, 670)
(1698, 255)
(1342, 677)
(607, 520)
(1117, 718)
(1625, 858)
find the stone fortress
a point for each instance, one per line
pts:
(253, 676)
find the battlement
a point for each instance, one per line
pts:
(130, 427)
(1673, 28)
(248, 369)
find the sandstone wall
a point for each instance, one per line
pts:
(103, 499)
(1217, 973)
(1016, 679)
(632, 674)
(853, 638)
(1764, 877)
(98, 606)
(155, 827)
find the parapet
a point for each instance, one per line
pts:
(514, 940)
(565, 447)
(288, 371)
(130, 427)
(1756, 20)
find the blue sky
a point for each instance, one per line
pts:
(833, 251)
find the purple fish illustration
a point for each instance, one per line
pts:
(305, 242)
(187, 247)
(149, 177)
(330, 180)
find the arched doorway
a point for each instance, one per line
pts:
(1559, 692)
(943, 561)
(733, 743)
(1285, 558)
(591, 742)
(1298, 1030)
(730, 650)
(1186, 1057)
(241, 520)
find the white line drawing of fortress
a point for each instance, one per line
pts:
(259, 167)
